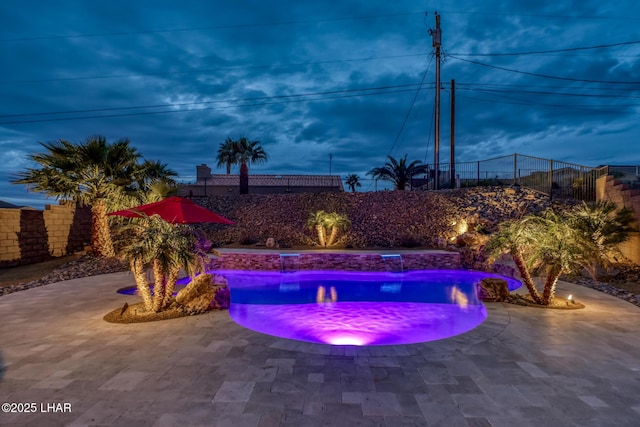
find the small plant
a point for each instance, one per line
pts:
(327, 223)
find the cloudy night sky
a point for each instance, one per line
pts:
(355, 79)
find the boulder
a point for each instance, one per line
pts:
(493, 289)
(200, 285)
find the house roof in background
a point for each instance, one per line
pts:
(276, 180)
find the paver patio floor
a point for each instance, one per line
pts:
(522, 367)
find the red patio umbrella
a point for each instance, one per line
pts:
(176, 210)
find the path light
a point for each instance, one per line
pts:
(570, 300)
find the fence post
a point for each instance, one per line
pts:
(478, 174)
(550, 179)
(515, 162)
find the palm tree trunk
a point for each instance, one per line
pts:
(158, 286)
(244, 178)
(101, 242)
(321, 234)
(550, 285)
(172, 278)
(228, 168)
(526, 276)
(138, 270)
(332, 236)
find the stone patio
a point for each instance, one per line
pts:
(522, 367)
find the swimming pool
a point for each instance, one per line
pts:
(358, 308)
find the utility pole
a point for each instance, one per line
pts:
(330, 160)
(436, 34)
(452, 161)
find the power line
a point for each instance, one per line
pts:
(202, 71)
(546, 16)
(538, 52)
(337, 95)
(533, 92)
(413, 101)
(543, 75)
(208, 28)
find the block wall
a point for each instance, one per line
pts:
(28, 235)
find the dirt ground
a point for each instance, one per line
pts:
(26, 273)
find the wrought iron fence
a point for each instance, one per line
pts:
(629, 175)
(552, 177)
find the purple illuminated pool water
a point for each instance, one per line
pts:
(358, 308)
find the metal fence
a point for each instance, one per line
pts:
(629, 175)
(552, 177)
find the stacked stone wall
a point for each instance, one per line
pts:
(357, 261)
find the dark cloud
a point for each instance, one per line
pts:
(212, 70)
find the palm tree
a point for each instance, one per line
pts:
(398, 172)
(603, 226)
(353, 181)
(557, 249)
(554, 244)
(316, 221)
(335, 222)
(226, 155)
(515, 237)
(167, 248)
(91, 173)
(246, 152)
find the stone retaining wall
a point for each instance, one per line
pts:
(358, 261)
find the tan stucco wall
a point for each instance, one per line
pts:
(608, 189)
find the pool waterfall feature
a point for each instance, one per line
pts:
(289, 262)
(393, 262)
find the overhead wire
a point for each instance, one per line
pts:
(413, 101)
(540, 52)
(544, 75)
(263, 102)
(207, 28)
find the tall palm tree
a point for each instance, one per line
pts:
(398, 172)
(88, 173)
(335, 222)
(247, 152)
(353, 181)
(96, 173)
(150, 172)
(226, 155)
